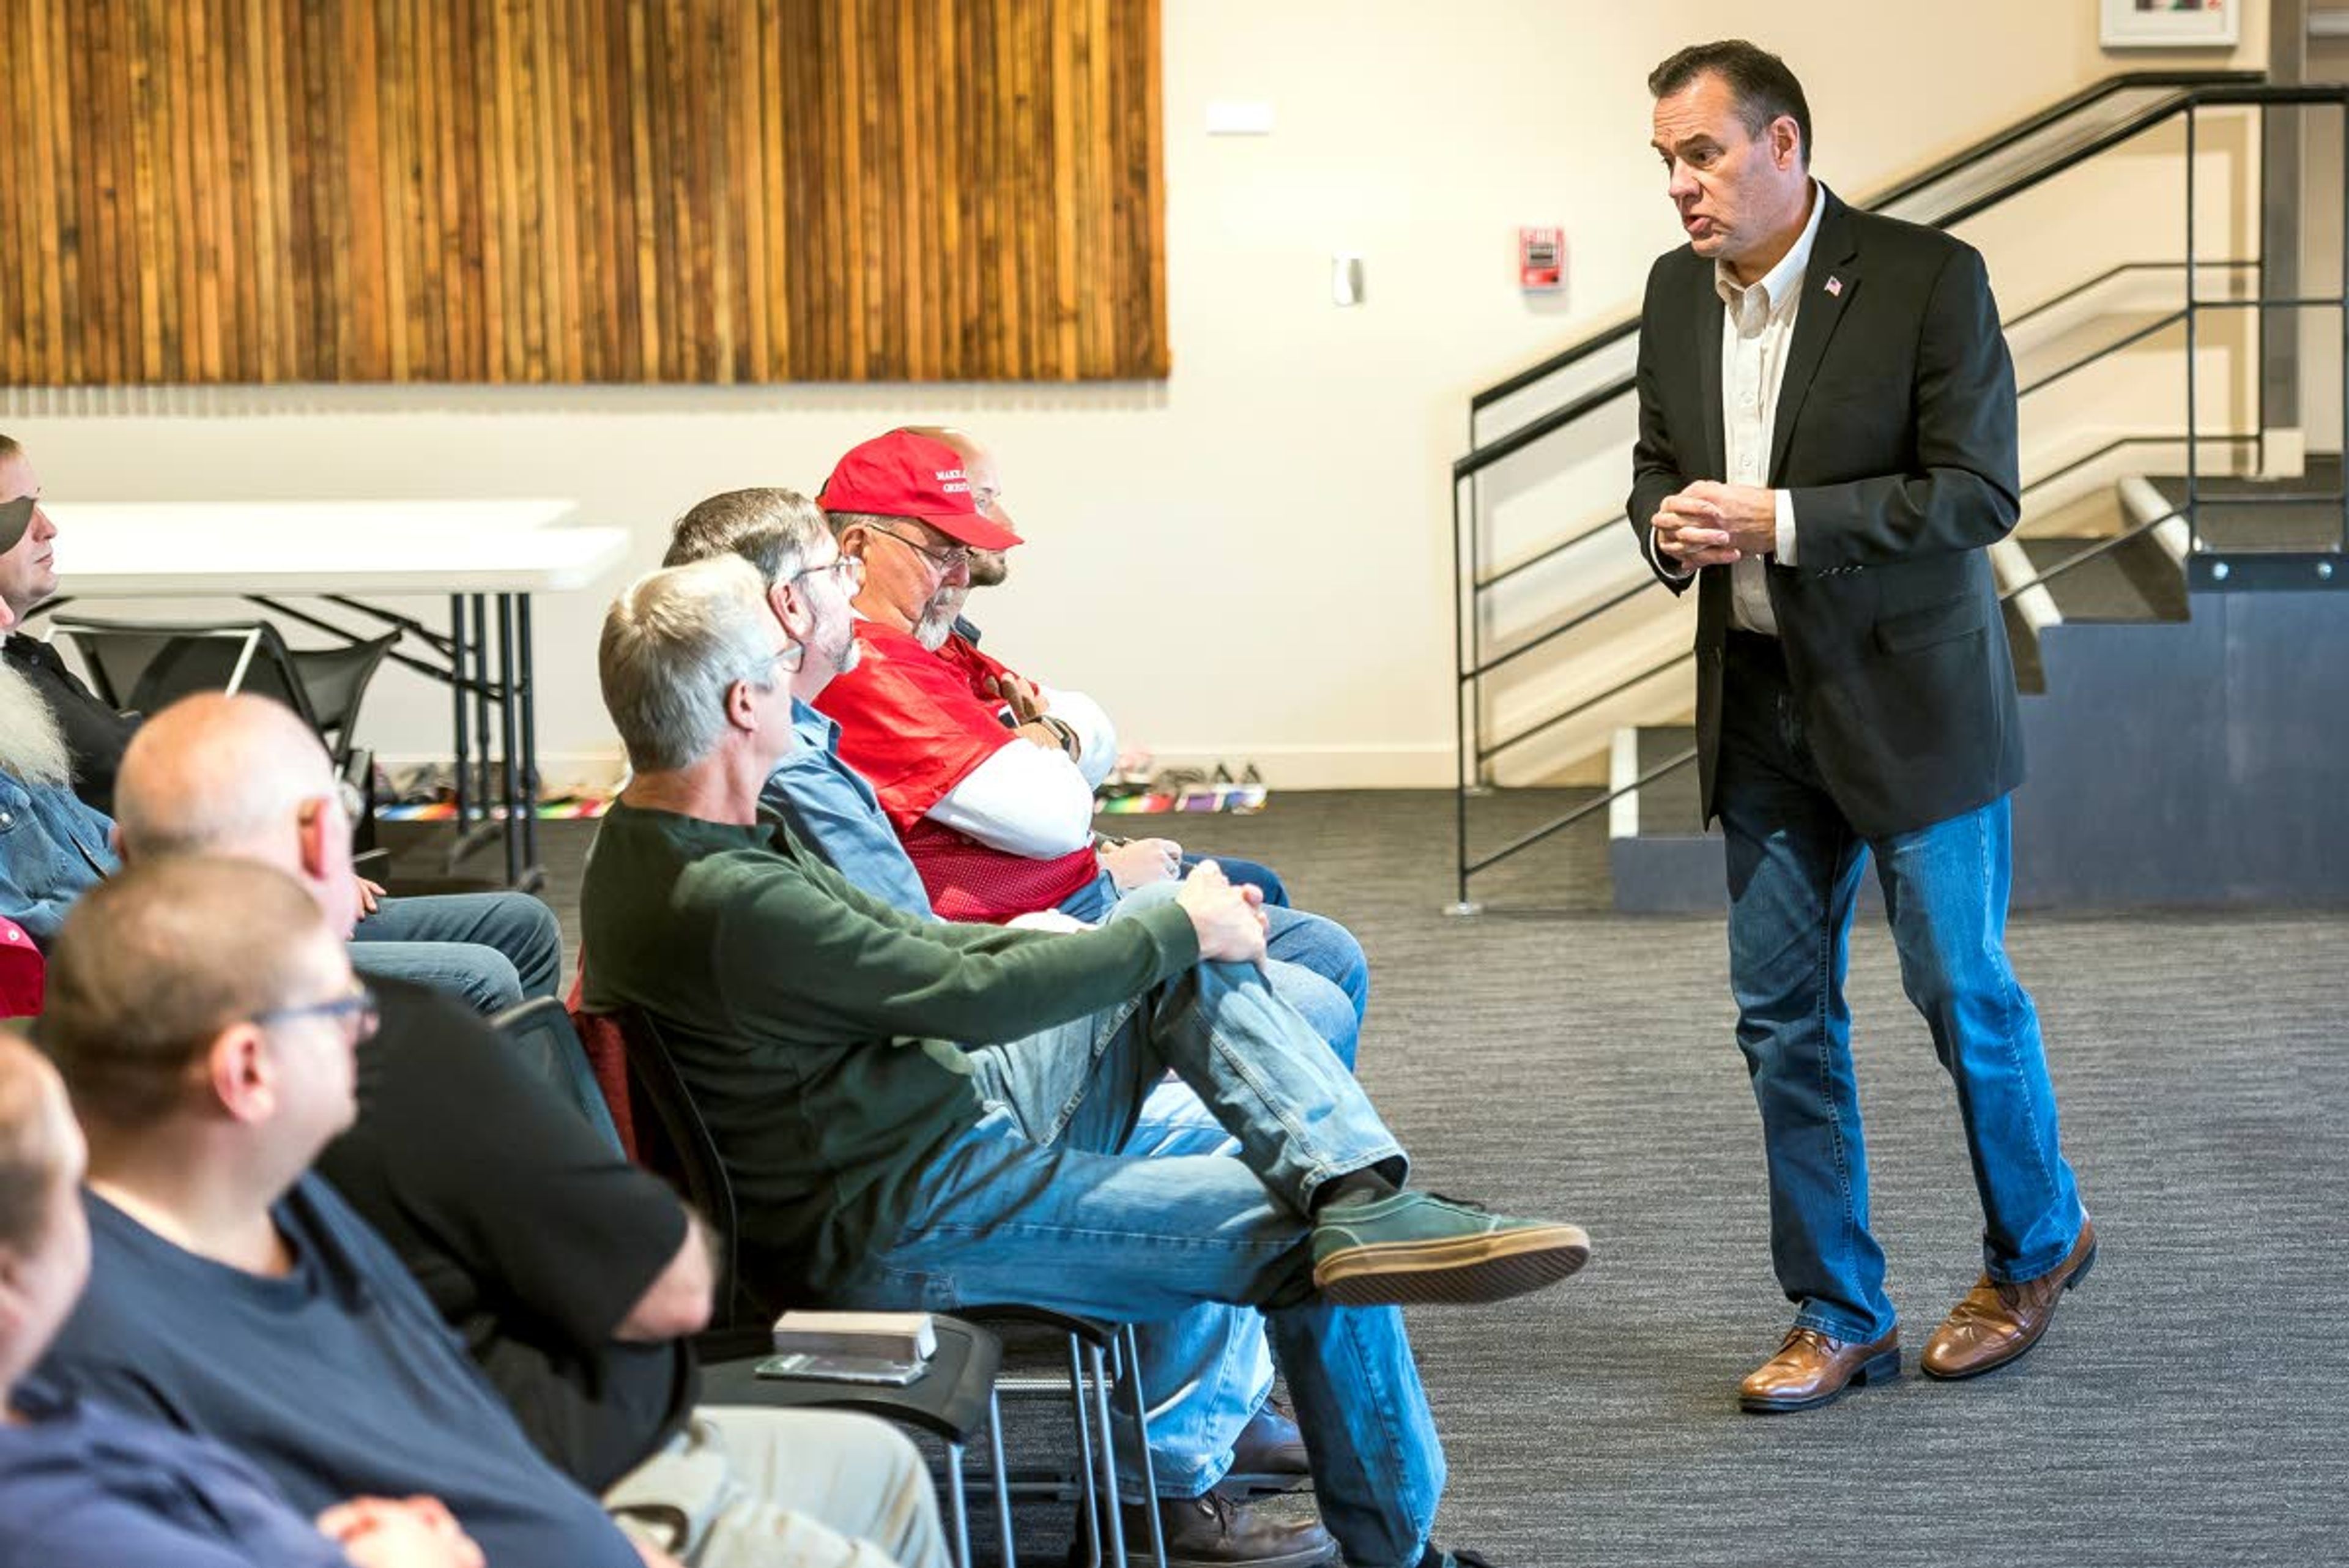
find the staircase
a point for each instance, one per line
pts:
(2185, 745)
(2166, 596)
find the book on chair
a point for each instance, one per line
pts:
(890, 1347)
(890, 1336)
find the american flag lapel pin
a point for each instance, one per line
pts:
(1834, 286)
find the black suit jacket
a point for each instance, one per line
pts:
(1895, 430)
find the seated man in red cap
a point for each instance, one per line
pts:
(995, 813)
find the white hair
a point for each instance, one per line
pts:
(32, 742)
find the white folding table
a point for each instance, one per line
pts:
(488, 557)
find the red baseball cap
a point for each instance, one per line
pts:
(905, 475)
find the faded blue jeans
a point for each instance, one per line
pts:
(496, 950)
(1089, 1187)
(1321, 970)
(1795, 865)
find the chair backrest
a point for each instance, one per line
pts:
(334, 682)
(685, 1152)
(23, 972)
(140, 667)
(540, 1032)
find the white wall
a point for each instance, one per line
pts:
(1253, 559)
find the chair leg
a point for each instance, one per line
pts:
(1110, 1508)
(1132, 1362)
(1087, 1496)
(957, 1511)
(1002, 1479)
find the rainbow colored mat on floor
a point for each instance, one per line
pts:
(565, 808)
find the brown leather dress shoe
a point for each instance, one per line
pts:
(1996, 1322)
(1811, 1369)
(1269, 1456)
(1214, 1530)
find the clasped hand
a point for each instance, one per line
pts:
(1230, 920)
(1711, 524)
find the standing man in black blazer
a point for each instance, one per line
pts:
(1827, 448)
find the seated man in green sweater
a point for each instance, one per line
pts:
(918, 1114)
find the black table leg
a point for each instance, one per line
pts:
(481, 699)
(526, 693)
(457, 698)
(509, 769)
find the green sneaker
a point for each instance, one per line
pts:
(1420, 1247)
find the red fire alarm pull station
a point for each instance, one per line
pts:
(1541, 260)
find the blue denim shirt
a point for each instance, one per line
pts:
(52, 849)
(832, 810)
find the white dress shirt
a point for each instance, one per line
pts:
(1757, 327)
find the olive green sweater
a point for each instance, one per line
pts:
(815, 1025)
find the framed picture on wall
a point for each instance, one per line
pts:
(2168, 24)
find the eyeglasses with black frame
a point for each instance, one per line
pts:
(356, 1007)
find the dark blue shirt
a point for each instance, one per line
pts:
(84, 1484)
(337, 1380)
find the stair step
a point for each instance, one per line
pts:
(2133, 581)
(2030, 673)
(1670, 807)
(2288, 526)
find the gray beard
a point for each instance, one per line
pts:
(938, 618)
(32, 742)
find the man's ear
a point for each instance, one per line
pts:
(241, 1076)
(742, 705)
(311, 820)
(792, 610)
(1785, 141)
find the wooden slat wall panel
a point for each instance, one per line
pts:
(574, 191)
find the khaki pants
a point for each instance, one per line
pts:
(744, 1487)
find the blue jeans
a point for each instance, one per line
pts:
(1047, 1201)
(1793, 875)
(494, 949)
(1318, 967)
(1263, 878)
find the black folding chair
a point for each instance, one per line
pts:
(951, 1401)
(1108, 1350)
(686, 1152)
(139, 667)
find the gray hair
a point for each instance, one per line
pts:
(879, 522)
(771, 529)
(674, 642)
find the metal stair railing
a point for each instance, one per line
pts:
(1674, 763)
(2175, 94)
(1485, 753)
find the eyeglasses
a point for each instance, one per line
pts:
(785, 659)
(947, 560)
(848, 570)
(358, 1006)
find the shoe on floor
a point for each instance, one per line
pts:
(1996, 1322)
(1420, 1247)
(1811, 1368)
(1269, 1456)
(1216, 1530)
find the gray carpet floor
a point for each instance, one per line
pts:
(2190, 1406)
